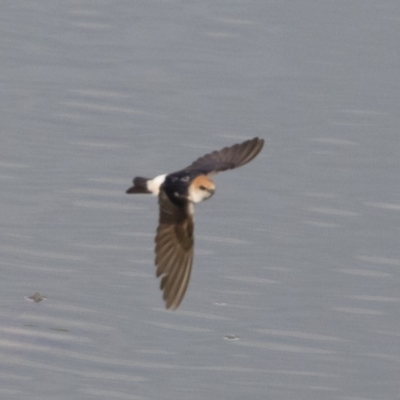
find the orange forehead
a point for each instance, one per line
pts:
(203, 180)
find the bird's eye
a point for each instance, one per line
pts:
(202, 187)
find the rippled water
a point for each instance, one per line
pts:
(295, 288)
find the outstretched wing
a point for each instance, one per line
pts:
(174, 249)
(227, 158)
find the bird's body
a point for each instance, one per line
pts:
(177, 192)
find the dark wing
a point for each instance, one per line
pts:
(228, 158)
(174, 249)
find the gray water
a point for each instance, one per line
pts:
(295, 288)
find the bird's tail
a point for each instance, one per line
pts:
(139, 186)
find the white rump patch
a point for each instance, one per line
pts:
(153, 185)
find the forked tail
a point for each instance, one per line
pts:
(139, 186)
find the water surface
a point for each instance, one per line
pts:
(295, 287)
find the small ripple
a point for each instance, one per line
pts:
(99, 93)
(81, 373)
(115, 181)
(18, 334)
(335, 141)
(251, 279)
(365, 272)
(357, 398)
(98, 144)
(179, 327)
(95, 192)
(105, 247)
(92, 25)
(136, 234)
(224, 368)
(194, 314)
(380, 260)
(345, 123)
(64, 323)
(220, 239)
(366, 113)
(359, 311)
(322, 224)
(106, 205)
(284, 347)
(388, 357)
(10, 165)
(379, 299)
(300, 335)
(220, 35)
(278, 268)
(385, 206)
(332, 211)
(102, 107)
(108, 394)
(389, 333)
(321, 195)
(236, 21)
(40, 254)
(8, 177)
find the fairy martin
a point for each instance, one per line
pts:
(177, 192)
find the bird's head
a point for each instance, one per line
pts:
(201, 188)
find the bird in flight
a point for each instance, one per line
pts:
(177, 192)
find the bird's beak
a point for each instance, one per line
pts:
(211, 191)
